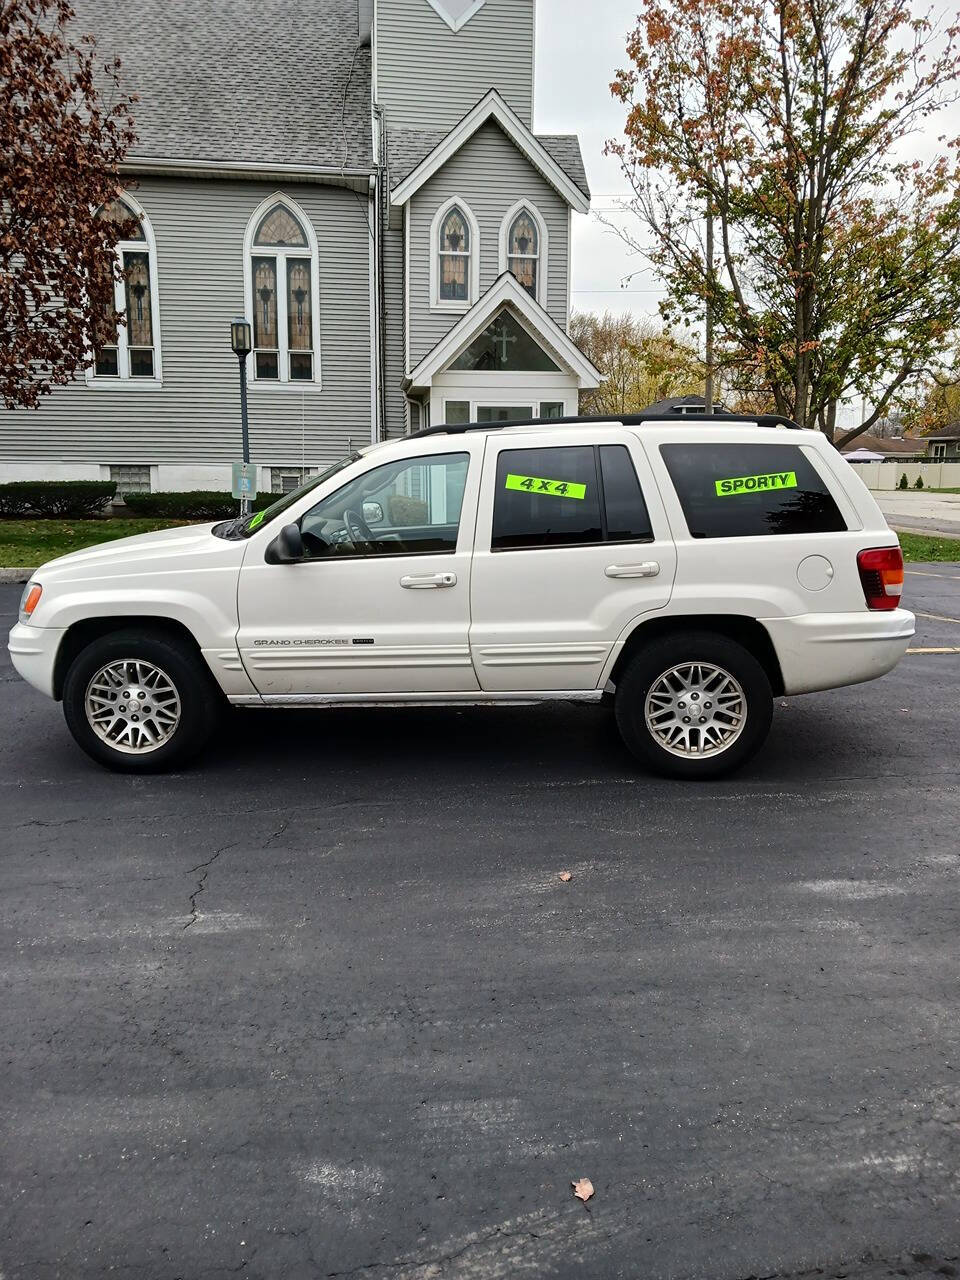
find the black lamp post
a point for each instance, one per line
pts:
(240, 340)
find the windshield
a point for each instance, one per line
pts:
(245, 526)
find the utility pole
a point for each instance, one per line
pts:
(708, 380)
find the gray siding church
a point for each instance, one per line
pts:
(361, 180)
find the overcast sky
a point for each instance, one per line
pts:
(579, 46)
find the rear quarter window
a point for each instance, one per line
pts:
(748, 490)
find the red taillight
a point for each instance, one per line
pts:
(881, 573)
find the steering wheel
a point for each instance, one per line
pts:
(357, 529)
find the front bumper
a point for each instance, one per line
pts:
(827, 650)
(33, 652)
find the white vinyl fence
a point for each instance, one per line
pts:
(886, 475)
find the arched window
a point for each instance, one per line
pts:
(523, 246)
(281, 288)
(455, 257)
(523, 250)
(454, 266)
(134, 352)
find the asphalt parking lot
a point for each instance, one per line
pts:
(322, 1007)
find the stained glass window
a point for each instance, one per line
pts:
(282, 284)
(265, 316)
(454, 257)
(505, 346)
(524, 250)
(130, 349)
(119, 212)
(280, 227)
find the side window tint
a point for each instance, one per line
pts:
(546, 498)
(627, 518)
(745, 490)
(408, 507)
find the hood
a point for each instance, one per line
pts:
(164, 544)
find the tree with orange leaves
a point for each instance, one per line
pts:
(837, 263)
(60, 146)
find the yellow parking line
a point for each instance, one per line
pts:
(947, 649)
(925, 573)
(937, 617)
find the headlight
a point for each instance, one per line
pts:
(29, 600)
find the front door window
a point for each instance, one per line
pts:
(408, 507)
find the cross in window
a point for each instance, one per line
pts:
(503, 339)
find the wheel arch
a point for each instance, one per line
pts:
(80, 634)
(752, 634)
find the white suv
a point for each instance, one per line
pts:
(688, 569)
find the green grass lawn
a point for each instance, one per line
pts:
(27, 543)
(920, 547)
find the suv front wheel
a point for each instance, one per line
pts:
(694, 704)
(140, 701)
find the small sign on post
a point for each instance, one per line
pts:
(244, 480)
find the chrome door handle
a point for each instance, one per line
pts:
(421, 581)
(648, 569)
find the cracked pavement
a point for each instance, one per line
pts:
(322, 1007)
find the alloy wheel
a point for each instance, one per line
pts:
(132, 705)
(695, 710)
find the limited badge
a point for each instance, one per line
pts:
(551, 488)
(756, 484)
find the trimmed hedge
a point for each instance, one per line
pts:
(56, 499)
(194, 504)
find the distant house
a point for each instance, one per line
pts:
(944, 446)
(682, 404)
(893, 449)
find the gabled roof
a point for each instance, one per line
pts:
(951, 433)
(407, 147)
(894, 446)
(682, 404)
(276, 84)
(492, 107)
(506, 291)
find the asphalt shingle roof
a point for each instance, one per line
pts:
(893, 445)
(407, 147)
(278, 82)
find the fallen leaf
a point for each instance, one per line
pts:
(565, 876)
(582, 1189)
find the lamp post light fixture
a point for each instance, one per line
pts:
(241, 342)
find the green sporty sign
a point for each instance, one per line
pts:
(552, 488)
(754, 484)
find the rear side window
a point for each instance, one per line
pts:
(744, 490)
(578, 496)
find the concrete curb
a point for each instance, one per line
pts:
(928, 531)
(15, 575)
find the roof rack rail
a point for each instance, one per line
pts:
(627, 419)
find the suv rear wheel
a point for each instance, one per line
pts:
(140, 702)
(694, 704)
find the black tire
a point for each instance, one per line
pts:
(645, 669)
(201, 701)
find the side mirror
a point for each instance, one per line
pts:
(372, 512)
(287, 546)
